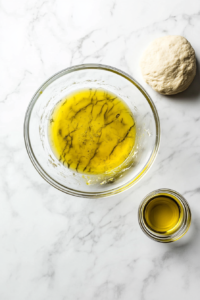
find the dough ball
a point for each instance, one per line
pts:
(169, 65)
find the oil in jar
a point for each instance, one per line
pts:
(163, 214)
(92, 131)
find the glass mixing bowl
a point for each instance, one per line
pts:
(90, 76)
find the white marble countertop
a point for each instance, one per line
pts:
(55, 246)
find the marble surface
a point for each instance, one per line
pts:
(54, 246)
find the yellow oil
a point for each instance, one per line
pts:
(92, 131)
(163, 214)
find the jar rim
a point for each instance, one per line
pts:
(186, 221)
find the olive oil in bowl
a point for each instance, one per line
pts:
(164, 215)
(92, 131)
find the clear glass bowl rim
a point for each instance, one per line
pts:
(46, 176)
(186, 220)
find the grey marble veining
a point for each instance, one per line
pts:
(55, 246)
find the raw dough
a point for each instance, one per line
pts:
(169, 65)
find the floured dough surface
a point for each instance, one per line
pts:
(168, 65)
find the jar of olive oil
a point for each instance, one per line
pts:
(164, 215)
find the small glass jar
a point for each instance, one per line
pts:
(178, 230)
